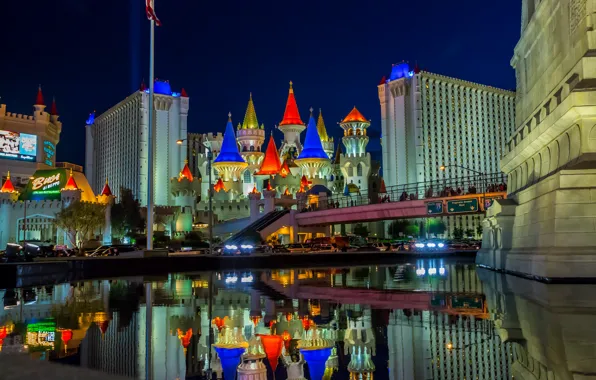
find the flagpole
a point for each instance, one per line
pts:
(150, 142)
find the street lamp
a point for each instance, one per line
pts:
(210, 194)
(25, 217)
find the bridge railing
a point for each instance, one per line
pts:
(477, 184)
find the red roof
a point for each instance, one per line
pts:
(219, 186)
(54, 109)
(106, 189)
(71, 184)
(39, 100)
(254, 190)
(143, 87)
(291, 114)
(285, 170)
(383, 188)
(383, 80)
(271, 163)
(103, 327)
(185, 173)
(7, 187)
(416, 68)
(287, 192)
(183, 93)
(305, 182)
(354, 115)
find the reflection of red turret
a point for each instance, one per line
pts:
(7, 186)
(184, 338)
(71, 184)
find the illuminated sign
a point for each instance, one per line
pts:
(18, 146)
(49, 150)
(41, 334)
(45, 185)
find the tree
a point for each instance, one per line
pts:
(458, 233)
(436, 227)
(397, 228)
(80, 220)
(126, 215)
(412, 230)
(361, 230)
(479, 229)
(469, 232)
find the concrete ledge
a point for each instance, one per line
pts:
(21, 366)
(155, 253)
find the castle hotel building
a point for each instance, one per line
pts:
(116, 143)
(429, 120)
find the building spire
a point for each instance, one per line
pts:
(185, 173)
(71, 184)
(313, 148)
(183, 93)
(229, 147)
(54, 109)
(354, 115)
(321, 127)
(291, 114)
(250, 117)
(106, 189)
(271, 163)
(39, 100)
(7, 186)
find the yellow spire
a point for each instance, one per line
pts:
(250, 117)
(291, 88)
(321, 128)
(8, 175)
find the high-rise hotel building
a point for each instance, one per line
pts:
(429, 120)
(116, 143)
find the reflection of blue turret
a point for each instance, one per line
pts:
(312, 159)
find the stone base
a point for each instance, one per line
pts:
(547, 230)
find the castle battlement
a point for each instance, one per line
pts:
(14, 115)
(213, 136)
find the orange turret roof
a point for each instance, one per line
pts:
(254, 190)
(183, 93)
(354, 115)
(271, 163)
(287, 192)
(185, 173)
(71, 183)
(219, 186)
(269, 188)
(285, 169)
(106, 189)
(7, 186)
(383, 188)
(291, 114)
(305, 182)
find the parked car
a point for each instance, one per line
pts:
(323, 248)
(368, 248)
(297, 248)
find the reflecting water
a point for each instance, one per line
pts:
(430, 319)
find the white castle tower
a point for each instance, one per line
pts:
(251, 137)
(291, 126)
(356, 162)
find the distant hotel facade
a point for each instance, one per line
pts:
(430, 120)
(116, 143)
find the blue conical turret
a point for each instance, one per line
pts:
(313, 148)
(229, 147)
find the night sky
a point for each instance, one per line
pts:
(92, 54)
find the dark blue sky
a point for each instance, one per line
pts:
(91, 54)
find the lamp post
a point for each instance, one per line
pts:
(210, 194)
(25, 218)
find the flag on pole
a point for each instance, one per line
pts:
(151, 13)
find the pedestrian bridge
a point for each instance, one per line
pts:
(328, 212)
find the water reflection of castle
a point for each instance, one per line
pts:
(450, 334)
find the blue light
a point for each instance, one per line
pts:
(400, 70)
(229, 147)
(316, 360)
(161, 87)
(230, 358)
(91, 118)
(313, 148)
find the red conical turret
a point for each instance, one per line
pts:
(185, 173)
(416, 68)
(71, 184)
(54, 109)
(291, 115)
(219, 186)
(39, 100)
(183, 93)
(106, 189)
(7, 186)
(271, 163)
(143, 87)
(354, 115)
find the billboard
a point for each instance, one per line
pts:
(18, 146)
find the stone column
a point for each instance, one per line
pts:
(254, 199)
(269, 196)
